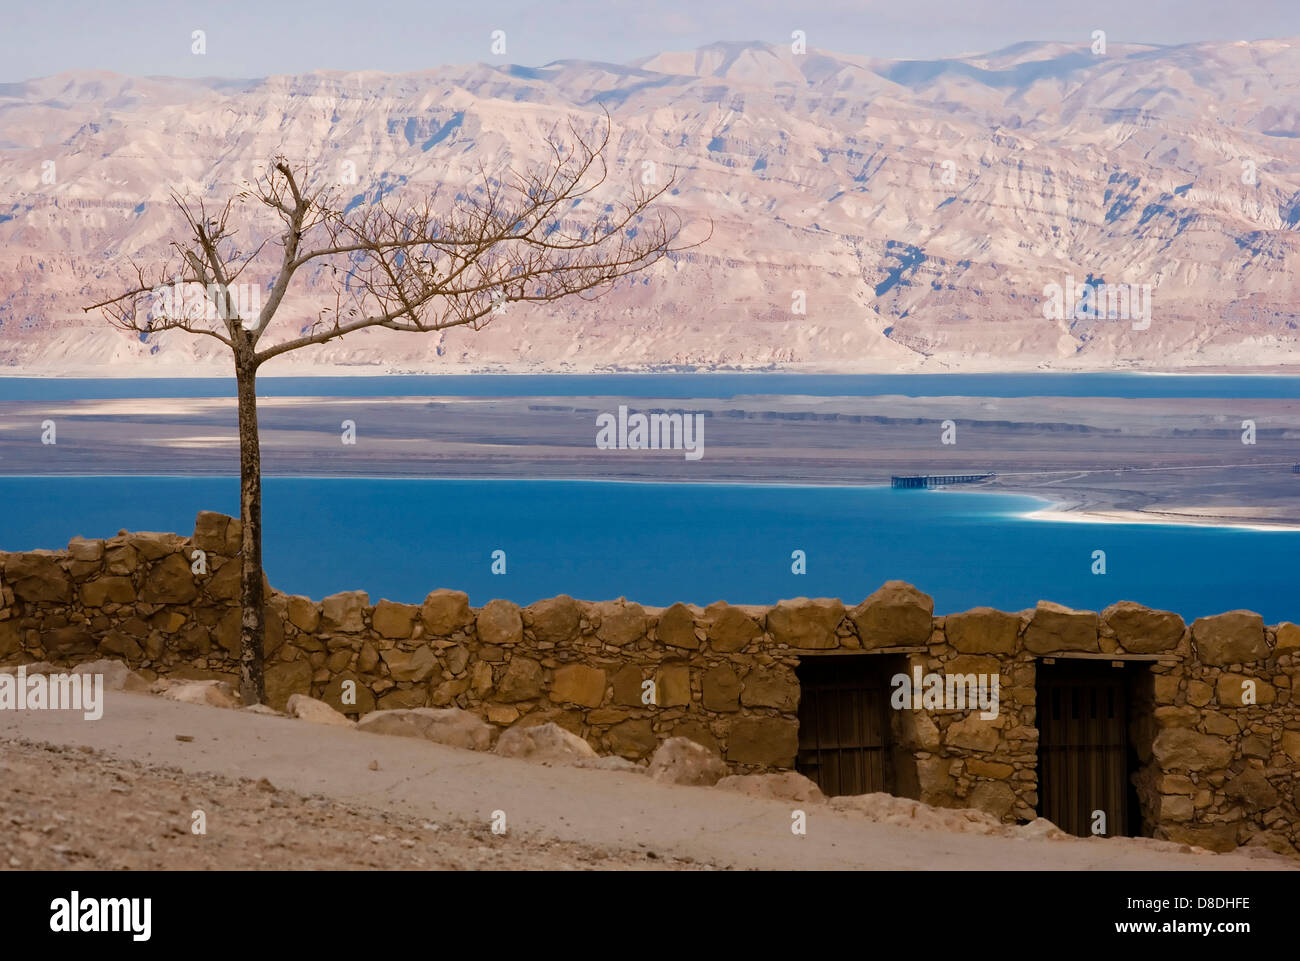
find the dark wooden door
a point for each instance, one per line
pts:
(1083, 751)
(844, 724)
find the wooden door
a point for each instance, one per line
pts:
(844, 724)
(1083, 751)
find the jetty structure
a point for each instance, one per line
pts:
(934, 480)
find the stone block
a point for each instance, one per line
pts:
(896, 615)
(521, 681)
(982, 630)
(500, 622)
(676, 627)
(578, 684)
(1236, 637)
(673, 685)
(107, 590)
(37, 576)
(621, 623)
(1142, 630)
(344, 613)
(1237, 690)
(633, 738)
(766, 741)
(730, 628)
(1182, 749)
(446, 612)
(394, 621)
(806, 623)
(720, 689)
(774, 686)
(1055, 627)
(555, 620)
(418, 665)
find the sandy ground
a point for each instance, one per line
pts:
(121, 791)
(66, 807)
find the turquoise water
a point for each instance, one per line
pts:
(660, 543)
(670, 385)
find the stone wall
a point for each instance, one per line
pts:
(1219, 762)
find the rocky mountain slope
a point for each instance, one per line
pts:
(921, 208)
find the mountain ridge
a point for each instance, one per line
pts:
(922, 207)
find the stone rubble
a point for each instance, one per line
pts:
(545, 744)
(680, 760)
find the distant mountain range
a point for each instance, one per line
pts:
(921, 209)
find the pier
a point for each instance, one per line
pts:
(935, 480)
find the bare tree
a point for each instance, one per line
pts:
(419, 267)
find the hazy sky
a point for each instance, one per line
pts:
(253, 38)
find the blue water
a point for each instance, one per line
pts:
(660, 543)
(671, 385)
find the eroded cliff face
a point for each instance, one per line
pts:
(917, 211)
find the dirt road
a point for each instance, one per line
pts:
(65, 807)
(335, 790)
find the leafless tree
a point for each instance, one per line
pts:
(418, 267)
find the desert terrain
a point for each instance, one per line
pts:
(77, 807)
(862, 214)
(281, 792)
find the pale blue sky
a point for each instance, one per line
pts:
(252, 38)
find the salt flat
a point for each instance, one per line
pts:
(1172, 460)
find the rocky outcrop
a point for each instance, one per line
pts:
(680, 760)
(779, 786)
(450, 726)
(211, 693)
(930, 246)
(117, 676)
(544, 743)
(318, 712)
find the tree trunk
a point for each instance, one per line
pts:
(252, 685)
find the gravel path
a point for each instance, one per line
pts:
(67, 807)
(276, 792)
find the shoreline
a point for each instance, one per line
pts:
(1074, 509)
(1169, 461)
(1096, 515)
